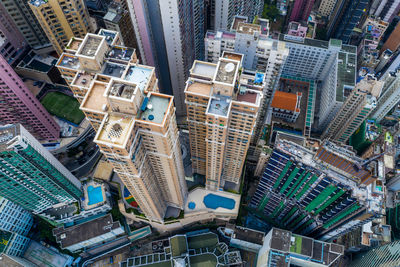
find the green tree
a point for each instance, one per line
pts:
(270, 12)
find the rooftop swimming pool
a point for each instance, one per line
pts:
(213, 201)
(95, 195)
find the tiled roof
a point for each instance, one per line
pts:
(283, 100)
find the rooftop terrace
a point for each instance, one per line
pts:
(309, 249)
(90, 45)
(237, 20)
(154, 108)
(110, 35)
(85, 231)
(115, 129)
(246, 95)
(113, 69)
(204, 69)
(199, 88)
(248, 28)
(122, 90)
(233, 56)
(140, 75)
(346, 74)
(219, 105)
(68, 61)
(83, 79)
(121, 53)
(227, 70)
(95, 99)
(304, 41)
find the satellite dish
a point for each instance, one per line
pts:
(229, 67)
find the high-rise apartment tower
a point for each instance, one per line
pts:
(135, 124)
(31, 176)
(61, 20)
(357, 107)
(19, 105)
(222, 106)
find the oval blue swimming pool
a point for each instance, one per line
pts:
(213, 201)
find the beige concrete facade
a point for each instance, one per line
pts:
(222, 114)
(136, 126)
(61, 20)
(357, 107)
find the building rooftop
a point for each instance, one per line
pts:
(121, 53)
(293, 248)
(122, 90)
(346, 76)
(61, 211)
(37, 62)
(94, 99)
(140, 75)
(74, 44)
(248, 235)
(78, 233)
(247, 95)
(103, 170)
(286, 101)
(115, 129)
(68, 61)
(83, 79)
(237, 20)
(199, 88)
(233, 56)
(304, 41)
(219, 105)
(90, 45)
(113, 69)
(227, 70)
(248, 28)
(110, 35)
(8, 132)
(203, 69)
(154, 108)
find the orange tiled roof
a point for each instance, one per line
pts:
(283, 100)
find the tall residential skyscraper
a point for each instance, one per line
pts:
(345, 17)
(30, 176)
(118, 19)
(390, 95)
(357, 107)
(14, 218)
(13, 42)
(136, 126)
(301, 10)
(326, 7)
(260, 54)
(23, 18)
(165, 31)
(61, 20)
(19, 105)
(283, 249)
(317, 192)
(386, 10)
(15, 224)
(222, 107)
(223, 11)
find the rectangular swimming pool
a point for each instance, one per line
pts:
(95, 195)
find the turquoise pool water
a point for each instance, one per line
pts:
(95, 195)
(192, 205)
(213, 201)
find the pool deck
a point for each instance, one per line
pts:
(198, 194)
(86, 205)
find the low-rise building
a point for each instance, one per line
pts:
(88, 234)
(283, 249)
(286, 106)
